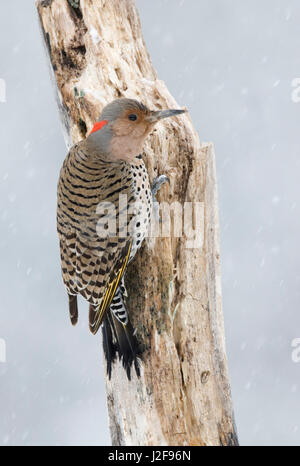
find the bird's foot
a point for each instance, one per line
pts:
(156, 185)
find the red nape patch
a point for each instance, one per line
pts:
(99, 125)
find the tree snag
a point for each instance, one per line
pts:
(97, 54)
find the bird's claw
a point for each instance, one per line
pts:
(156, 185)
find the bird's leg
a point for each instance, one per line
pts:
(156, 185)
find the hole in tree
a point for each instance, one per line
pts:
(82, 127)
(75, 7)
(81, 49)
(67, 60)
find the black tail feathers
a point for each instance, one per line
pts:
(119, 341)
(73, 309)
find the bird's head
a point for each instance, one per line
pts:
(123, 127)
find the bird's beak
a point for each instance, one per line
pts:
(159, 115)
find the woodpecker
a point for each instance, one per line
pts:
(96, 171)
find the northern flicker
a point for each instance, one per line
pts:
(95, 173)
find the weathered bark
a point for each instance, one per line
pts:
(97, 53)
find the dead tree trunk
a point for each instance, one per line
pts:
(97, 54)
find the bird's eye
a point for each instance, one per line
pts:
(132, 117)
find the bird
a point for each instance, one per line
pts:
(99, 237)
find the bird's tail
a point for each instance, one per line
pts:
(73, 309)
(120, 341)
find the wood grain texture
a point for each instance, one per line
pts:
(97, 54)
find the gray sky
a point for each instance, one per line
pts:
(232, 64)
